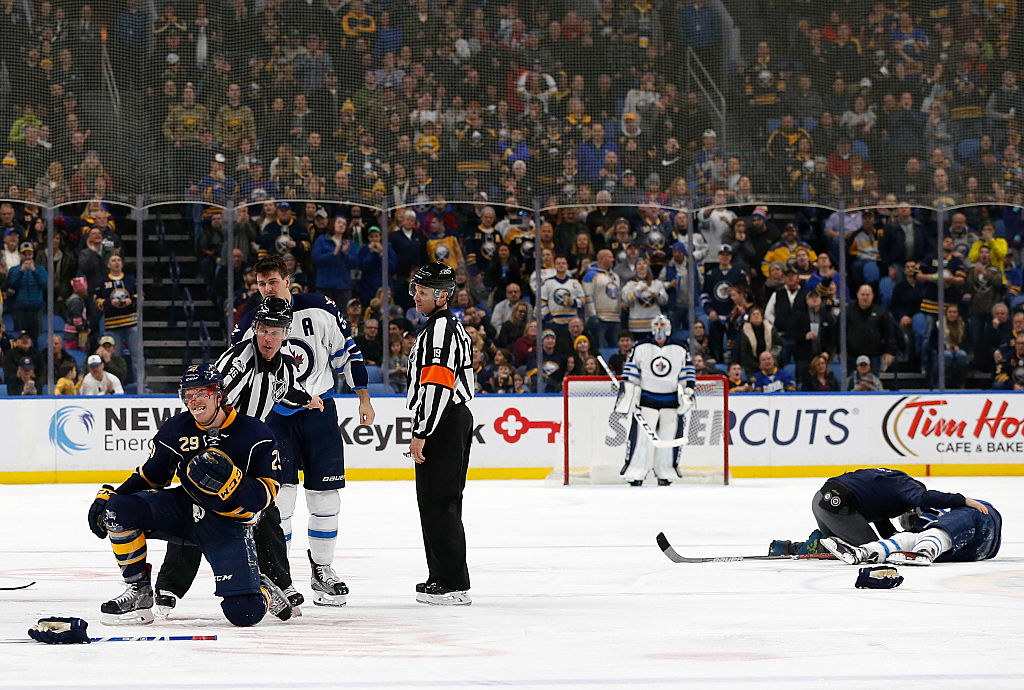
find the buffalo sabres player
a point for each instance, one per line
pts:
(659, 380)
(229, 470)
(321, 344)
(257, 375)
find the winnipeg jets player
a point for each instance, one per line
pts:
(659, 379)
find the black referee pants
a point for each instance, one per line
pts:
(181, 563)
(440, 481)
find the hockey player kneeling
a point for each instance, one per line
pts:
(658, 380)
(230, 472)
(936, 535)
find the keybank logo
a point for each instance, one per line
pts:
(70, 427)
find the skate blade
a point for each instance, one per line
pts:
(325, 599)
(139, 617)
(907, 558)
(450, 599)
(162, 611)
(296, 612)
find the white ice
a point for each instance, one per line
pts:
(569, 591)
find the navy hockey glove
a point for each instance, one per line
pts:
(96, 510)
(60, 631)
(212, 472)
(879, 577)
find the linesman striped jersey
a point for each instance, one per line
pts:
(440, 371)
(252, 385)
(320, 342)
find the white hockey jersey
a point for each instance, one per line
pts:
(560, 300)
(645, 301)
(319, 341)
(659, 369)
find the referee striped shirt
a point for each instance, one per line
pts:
(253, 385)
(440, 371)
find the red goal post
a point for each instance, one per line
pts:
(595, 435)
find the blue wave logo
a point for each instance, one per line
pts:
(68, 425)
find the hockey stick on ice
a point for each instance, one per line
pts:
(655, 440)
(676, 557)
(161, 638)
(11, 589)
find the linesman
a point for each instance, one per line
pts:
(441, 382)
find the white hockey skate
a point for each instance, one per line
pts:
(328, 589)
(910, 558)
(847, 553)
(433, 594)
(134, 606)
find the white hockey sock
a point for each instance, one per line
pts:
(901, 541)
(323, 524)
(933, 542)
(286, 504)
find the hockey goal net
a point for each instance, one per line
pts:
(595, 435)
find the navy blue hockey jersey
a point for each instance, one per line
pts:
(884, 494)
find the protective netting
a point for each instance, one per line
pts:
(389, 104)
(758, 114)
(595, 434)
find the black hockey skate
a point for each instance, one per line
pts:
(134, 606)
(295, 597)
(165, 601)
(328, 589)
(433, 594)
(278, 603)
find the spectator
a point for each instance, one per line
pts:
(525, 348)
(603, 293)
(769, 378)
(738, 382)
(757, 336)
(870, 330)
(21, 347)
(983, 289)
(903, 239)
(715, 297)
(93, 258)
(1008, 369)
(815, 328)
(24, 380)
(69, 381)
(334, 256)
(29, 284)
(955, 349)
(996, 245)
(369, 342)
(782, 308)
(643, 297)
(116, 296)
(819, 377)
(113, 362)
(553, 363)
(98, 381)
(503, 310)
(561, 298)
(786, 248)
(862, 379)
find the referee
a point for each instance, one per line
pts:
(256, 375)
(440, 384)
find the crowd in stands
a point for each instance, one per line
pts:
(310, 117)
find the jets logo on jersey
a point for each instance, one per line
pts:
(722, 290)
(661, 367)
(303, 356)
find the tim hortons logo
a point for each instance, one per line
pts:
(923, 423)
(511, 424)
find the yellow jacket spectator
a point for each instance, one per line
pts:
(785, 249)
(996, 245)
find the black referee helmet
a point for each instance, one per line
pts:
(436, 275)
(274, 311)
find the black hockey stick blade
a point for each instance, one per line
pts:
(676, 557)
(11, 589)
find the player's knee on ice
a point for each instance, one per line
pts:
(244, 610)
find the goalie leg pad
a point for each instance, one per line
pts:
(324, 507)
(639, 451)
(244, 610)
(669, 426)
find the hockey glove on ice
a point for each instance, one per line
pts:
(60, 631)
(212, 472)
(879, 577)
(96, 510)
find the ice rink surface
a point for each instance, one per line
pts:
(569, 591)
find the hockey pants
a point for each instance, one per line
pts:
(641, 455)
(178, 571)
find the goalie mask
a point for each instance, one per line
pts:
(661, 327)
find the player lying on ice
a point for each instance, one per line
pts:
(230, 471)
(959, 534)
